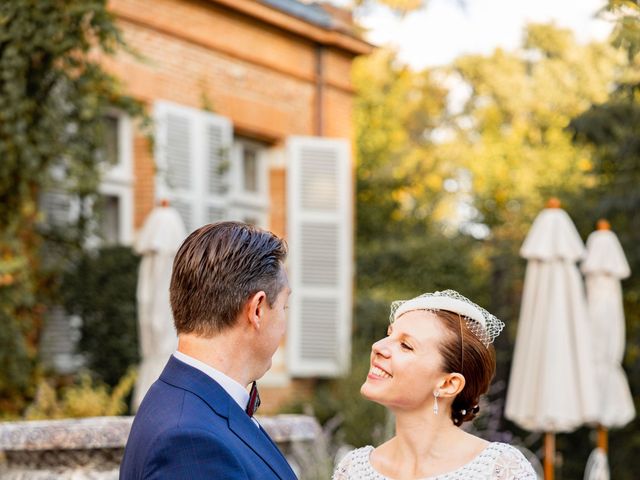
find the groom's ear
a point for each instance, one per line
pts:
(254, 309)
(451, 385)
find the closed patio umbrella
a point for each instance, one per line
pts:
(552, 387)
(604, 266)
(158, 242)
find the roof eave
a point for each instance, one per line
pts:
(280, 19)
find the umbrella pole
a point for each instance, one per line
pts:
(549, 455)
(603, 440)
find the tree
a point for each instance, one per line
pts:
(101, 289)
(611, 129)
(561, 119)
(54, 96)
(415, 159)
(403, 205)
(511, 136)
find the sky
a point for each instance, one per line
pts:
(444, 30)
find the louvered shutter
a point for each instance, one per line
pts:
(191, 153)
(175, 159)
(217, 136)
(58, 207)
(320, 237)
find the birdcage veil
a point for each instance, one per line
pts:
(485, 326)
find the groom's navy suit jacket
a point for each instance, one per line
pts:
(188, 427)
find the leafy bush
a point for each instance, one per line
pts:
(101, 289)
(83, 399)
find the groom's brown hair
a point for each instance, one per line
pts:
(216, 270)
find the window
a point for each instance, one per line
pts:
(115, 207)
(112, 137)
(114, 224)
(250, 170)
(204, 172)
(249, 192)
(114, 215)
(110, 218)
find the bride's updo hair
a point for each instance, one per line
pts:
(462, 352)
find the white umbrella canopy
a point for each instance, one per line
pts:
(552, 386)
(597, 466)
(604, 266)
(158, 242)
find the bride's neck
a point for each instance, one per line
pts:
(425, 435)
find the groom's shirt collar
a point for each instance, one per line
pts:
(233, 388)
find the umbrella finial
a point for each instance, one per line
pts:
(553, 202)
(164, 202)
(603, 224)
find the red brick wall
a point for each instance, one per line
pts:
(199, 54)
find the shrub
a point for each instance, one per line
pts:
(86, 398)
(101, 289)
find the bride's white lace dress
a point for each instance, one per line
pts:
(498, 461)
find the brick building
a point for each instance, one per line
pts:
(252, 102)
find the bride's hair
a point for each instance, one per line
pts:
(462, 352)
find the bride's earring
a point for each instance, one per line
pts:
(436, 394)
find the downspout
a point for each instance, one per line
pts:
(319, 112)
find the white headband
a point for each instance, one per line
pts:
(442, 303)
(482, 324)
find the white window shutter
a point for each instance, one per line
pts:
(320, 237)
(59, 208)
(217, 135)
(175, 158)
(191, 151)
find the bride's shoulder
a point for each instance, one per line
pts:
(510, 463)
(353, 462)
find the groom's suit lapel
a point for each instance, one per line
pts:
(258, 440)
(188, 378)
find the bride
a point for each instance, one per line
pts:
(430, 370)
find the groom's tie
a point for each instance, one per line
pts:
(254, 400)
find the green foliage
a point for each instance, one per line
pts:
(395, 112)
(511, 144)
(86, 398)
(17, 358)
(405, 244)
(626, 34)
(511, 136)
(611, 129)
(53, 98)
(101, 289)
(516, 145)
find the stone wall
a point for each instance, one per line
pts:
(92, 448)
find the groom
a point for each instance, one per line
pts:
(229, 293)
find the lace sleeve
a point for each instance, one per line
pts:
(344, 467)
(354, 465)
(512, 465)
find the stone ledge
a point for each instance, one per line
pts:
(112, 432)
(65, 434)
(291, 428)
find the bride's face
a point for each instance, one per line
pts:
(406, 365)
